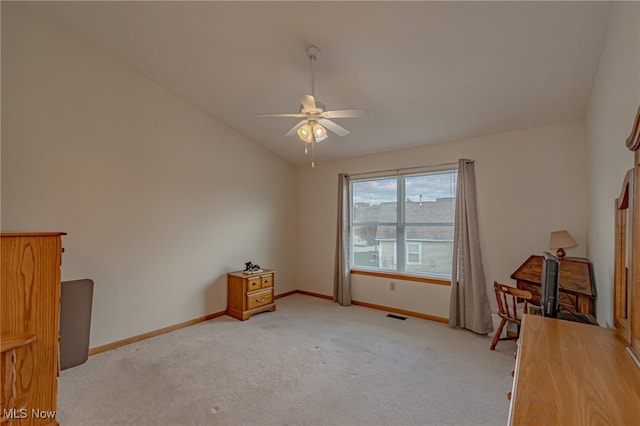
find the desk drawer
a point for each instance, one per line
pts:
(569, 301)
(259, 298)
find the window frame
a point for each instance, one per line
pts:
(401, 256)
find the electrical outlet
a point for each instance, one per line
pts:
(392, 286)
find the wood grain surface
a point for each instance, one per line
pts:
(569, 373)
(30, 304)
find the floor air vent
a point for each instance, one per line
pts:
(397, 317)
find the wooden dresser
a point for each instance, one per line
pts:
(569, 373)
(250, 294)
(30, 302)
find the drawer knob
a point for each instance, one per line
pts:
(260, 300)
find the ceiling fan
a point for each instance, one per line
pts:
(316, 119)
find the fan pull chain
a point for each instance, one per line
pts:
(313, 163)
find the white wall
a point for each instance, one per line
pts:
(159, 199)
(613, 104)
(431, 299)
(529, 183)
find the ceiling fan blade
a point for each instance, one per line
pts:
(308, 102)
(295, 128)
(346, 113)
(335, 128)
(298, 115)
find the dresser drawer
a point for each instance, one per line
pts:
(254, 283)
(260, 298)
(267, 281)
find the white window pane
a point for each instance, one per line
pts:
(435, 257)
(429, 187)
(364, 246)
(375, 200)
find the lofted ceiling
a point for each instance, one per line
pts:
(428, 72)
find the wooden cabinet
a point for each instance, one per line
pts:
(31, 306)
(627, 249)
(250, 294)
(577, 290)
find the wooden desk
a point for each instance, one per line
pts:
(577, 291)
(573, 374)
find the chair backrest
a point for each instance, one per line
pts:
(507, 298)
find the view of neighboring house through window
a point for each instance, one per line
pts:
(404, 223)
(414, 252)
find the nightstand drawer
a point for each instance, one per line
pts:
(260, 298)
(267, 281)
(254, 283)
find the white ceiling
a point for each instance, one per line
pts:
(428, 72)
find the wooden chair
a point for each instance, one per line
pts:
(508, 308)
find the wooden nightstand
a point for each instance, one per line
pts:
(250, 294)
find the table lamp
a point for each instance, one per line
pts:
(559, 240)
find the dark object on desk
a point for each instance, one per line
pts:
(576, 283)
(575, 317)
(549, 285)
(565, 315)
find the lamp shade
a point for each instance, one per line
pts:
(561, 239)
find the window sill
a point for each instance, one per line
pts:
(404, 277)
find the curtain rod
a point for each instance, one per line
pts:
(407, 168)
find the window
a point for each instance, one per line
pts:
(404, 223)
(414, 253)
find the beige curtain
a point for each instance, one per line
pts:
(342, 275)
(469, 303)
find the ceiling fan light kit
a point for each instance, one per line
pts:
(312, 132)
(315, 117)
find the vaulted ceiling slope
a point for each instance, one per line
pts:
(427, 72)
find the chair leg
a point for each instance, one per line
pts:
(494, 342)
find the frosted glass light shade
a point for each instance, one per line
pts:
(319, 132)
(305, 133)
(312, 132)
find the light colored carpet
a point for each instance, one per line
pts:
(311, 362)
